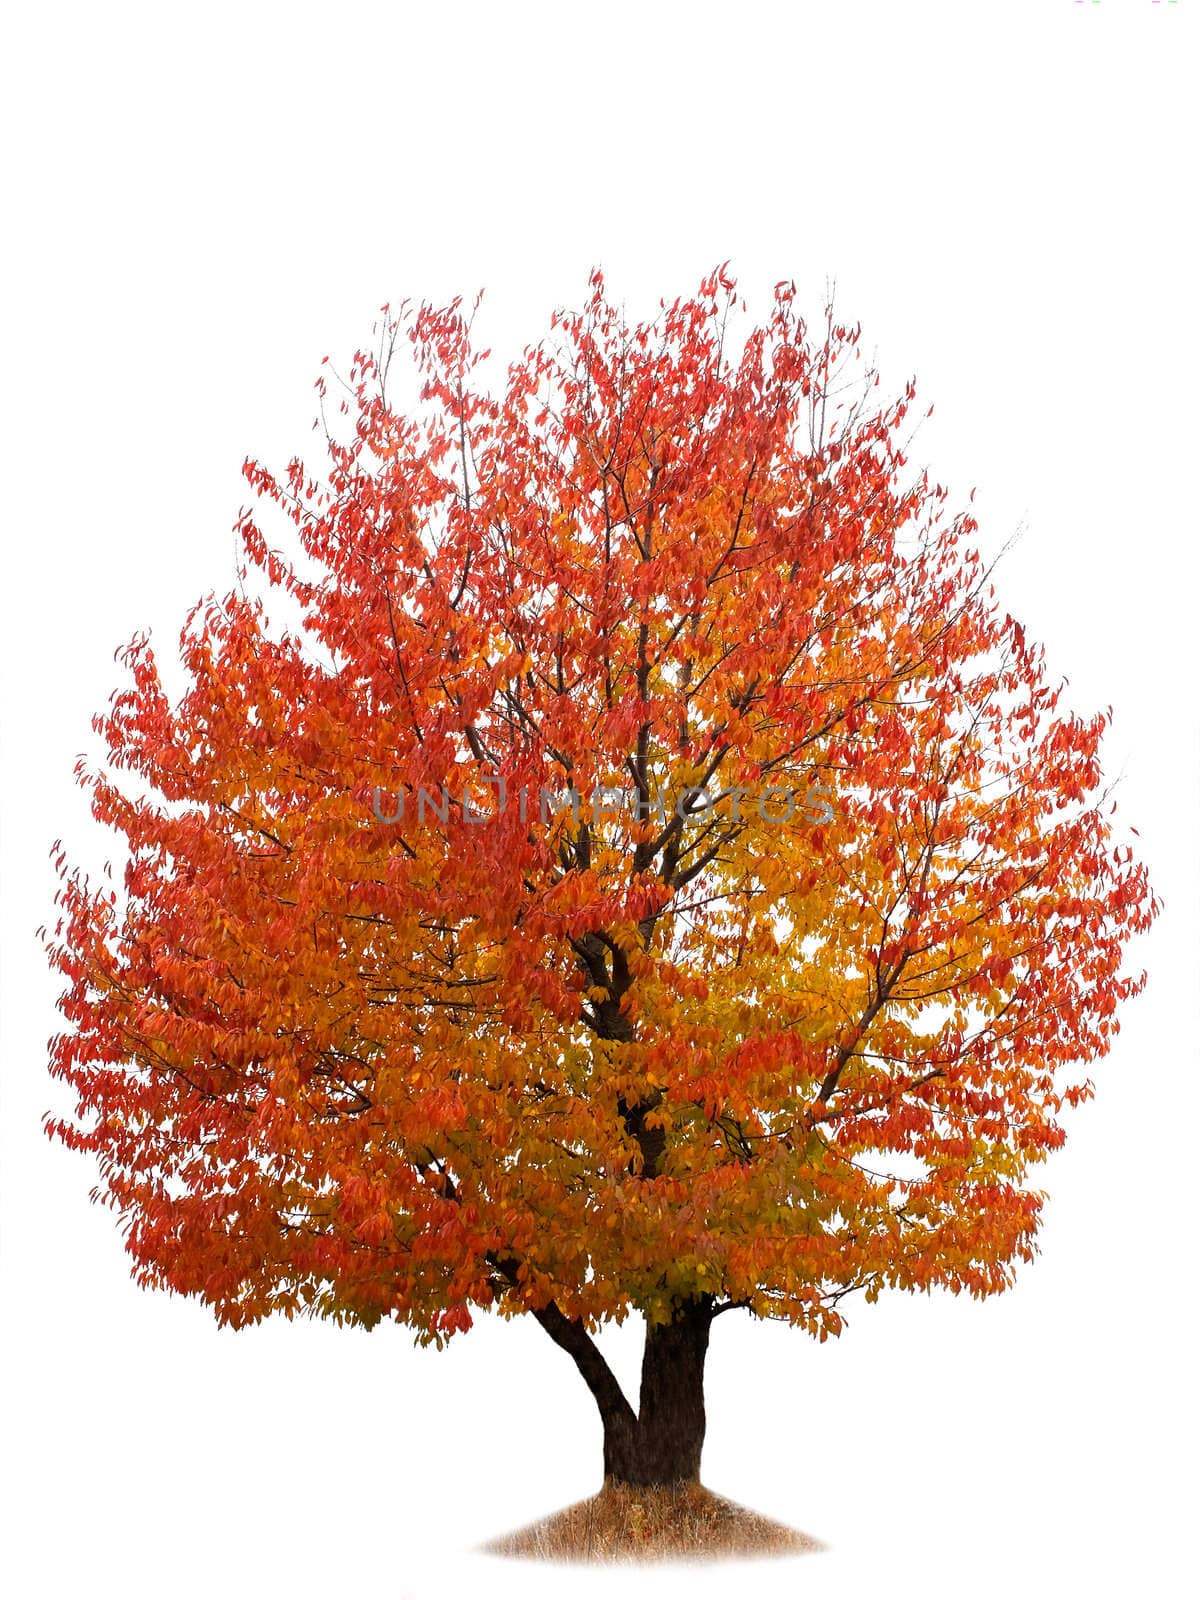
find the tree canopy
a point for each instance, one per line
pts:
(614, 853)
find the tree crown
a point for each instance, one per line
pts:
(651, 867)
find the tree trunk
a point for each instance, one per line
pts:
(662, 1444)
(659, 1444)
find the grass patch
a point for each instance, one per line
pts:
(679, 1523)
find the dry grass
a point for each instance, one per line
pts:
(623, 1524)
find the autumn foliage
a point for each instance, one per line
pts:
(675, 1052)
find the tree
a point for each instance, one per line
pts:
(647, 873)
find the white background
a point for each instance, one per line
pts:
(200, 203)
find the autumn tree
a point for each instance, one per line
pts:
(615, 855)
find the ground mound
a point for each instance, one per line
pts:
(623, 1523)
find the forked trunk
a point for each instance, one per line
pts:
(659, 1444)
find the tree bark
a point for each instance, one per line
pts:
(660, 1444)
(664, 1447)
